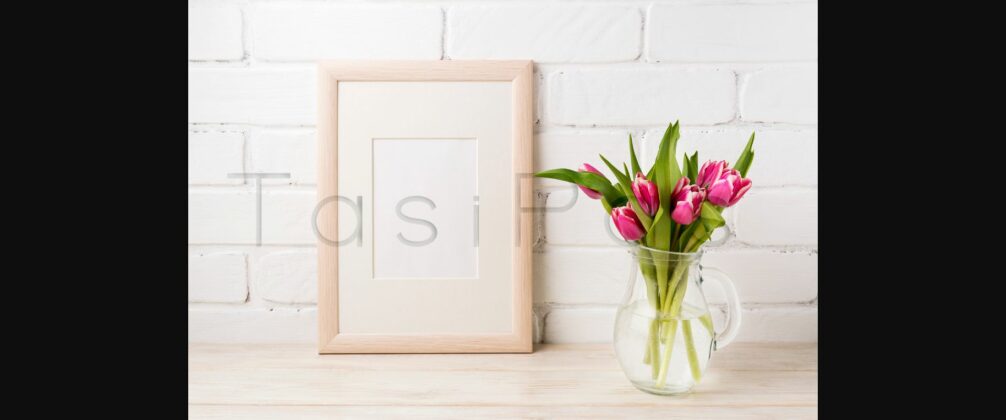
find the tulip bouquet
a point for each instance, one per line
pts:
(669, 208)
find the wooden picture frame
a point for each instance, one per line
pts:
(339, 338)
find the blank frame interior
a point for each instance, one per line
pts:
(431, 162)
(424, 208)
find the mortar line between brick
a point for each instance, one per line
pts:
(732, 246)
(247, 263)
(550, 66)
(263, 306)
(643, 43)
(245, 36)
(544, 128)
(227, 64)
(745, 66)
(749, 306)
(250, 246)
(235, 126)
(443, 33)
(250, 188)
(734, 123)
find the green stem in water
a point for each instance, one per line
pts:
(649, 276)
(693, 358)
(673, 312)
(651, 289)
(664, 294)
(672, 287)
(707, 321)
(664, 328)
(649, 349)
(661, 272)
(646, 353)
(672, 329)
(653, 348)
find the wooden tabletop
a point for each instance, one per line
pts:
(744, 380)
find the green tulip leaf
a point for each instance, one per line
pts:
(710, 219)
(685, 165)
(743, 162)
(607, 207)
(613, 196)
(656, 217)
(626, 183)
(686, 235)
(632, 159)
(693, 167)
(666, 173)
(623, 180)
(747, 165)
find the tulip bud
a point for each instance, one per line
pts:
(710, 172)
(682, 183)
(627, 223)
(688, 204)
(729, 188)
(590, 193)
(646, 193)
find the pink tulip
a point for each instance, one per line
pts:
(590, 193)
(688, 203)
(729, 188)
(627, 223)
(710, 172)
(682, 183)
(646, 193)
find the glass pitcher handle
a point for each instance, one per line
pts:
(723, 338)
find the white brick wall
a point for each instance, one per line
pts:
(310, 31)
(269, 96)
(228, 217)
(252, 325)
(568, 33)
(284, 151)
(215, 31)
(786, 216)
(584, 224)
(779, 323)
(776, 148)
(215, 154)
(781, 95)
(221, 217)
(556, 147)
(733, 32)
(218, 278)
(604, 69)
(580, 275)
(580, 325)
(764, 275)
(288, 276)
(289, 217)
(640, 95)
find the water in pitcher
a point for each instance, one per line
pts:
(633, 337)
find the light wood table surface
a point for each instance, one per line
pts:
(744, 380)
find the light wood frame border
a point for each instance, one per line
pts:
(330, 73)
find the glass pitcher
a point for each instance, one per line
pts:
(664, 334)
